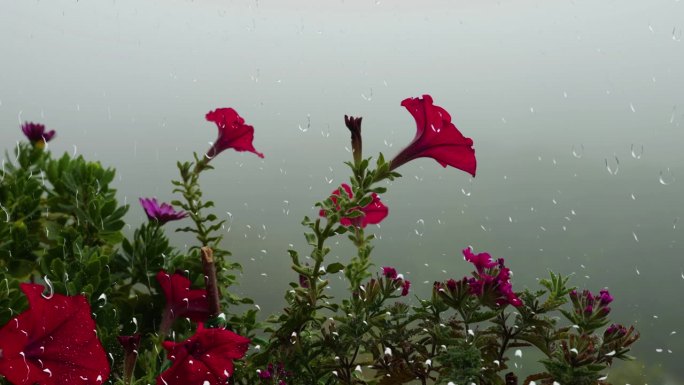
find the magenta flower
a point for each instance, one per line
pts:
(481, 261)
(588, 304)
(615, 330)
(436, 138)
(389, 272)
(604, 297)
(492, 280)
(274, 372)
(405, 286)
(35, 132)
(161, 213)
(373, 213)
(232, 132)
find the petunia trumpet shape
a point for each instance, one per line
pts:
(52, 343)
(205, 358)
(373, 213)
(35, 132)
(232, 132)
(161, 213)
(436, 138)
(181, 301)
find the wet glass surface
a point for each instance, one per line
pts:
(575, 108)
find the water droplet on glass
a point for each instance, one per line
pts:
(51, 290)
(666, 178)
(578, 153)
(102, 298)
(611, 170)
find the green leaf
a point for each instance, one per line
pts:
(334, 268)
(311, 239)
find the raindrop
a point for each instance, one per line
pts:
(635, 236)
(51, 290)
(3, 171)
(631, 107)
(6, 213)
(421, 224)
(613, 171)
(369, 97)
(635, 155)
(578, 154)
(666, 178)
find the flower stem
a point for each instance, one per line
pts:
(166, 322)
(211, 281)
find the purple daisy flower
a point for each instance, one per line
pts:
(161, 213)
(35, 132)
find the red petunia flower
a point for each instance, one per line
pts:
(205, 358)
(436, 138)
(181, 301)
(232, 132)
(52, 343)
(373, 213)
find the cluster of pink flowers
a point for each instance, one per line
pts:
(391, 273)
(490, 282)
(588, 305)
(491, 278)
(274, 373)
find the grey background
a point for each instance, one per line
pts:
(555, 94)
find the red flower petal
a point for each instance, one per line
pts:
(436, 138)
(206, 356)
(52, 343)
(232, 132)
(180, 300)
